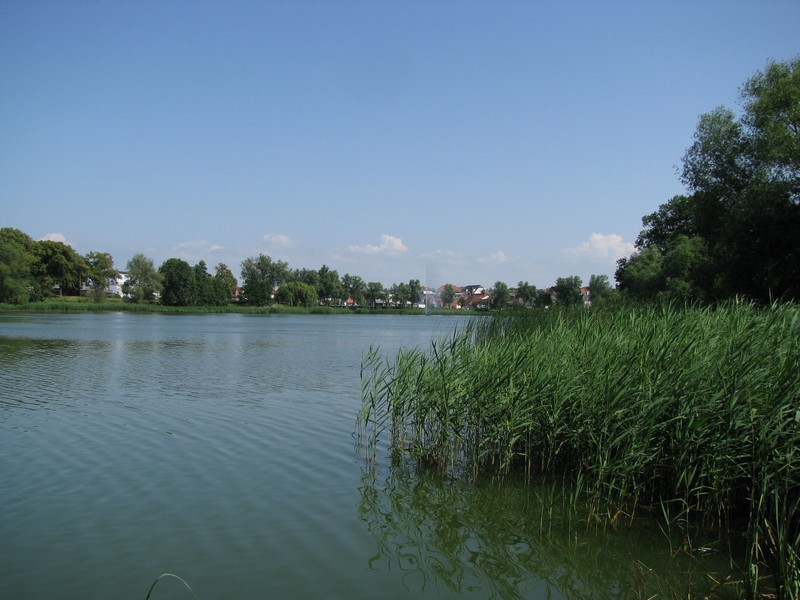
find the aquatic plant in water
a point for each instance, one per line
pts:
(689, 414)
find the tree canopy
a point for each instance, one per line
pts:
(737, 232)
(178, 283)
(15, 266)
(144, 282)
(500, 295)
(568, 291)
(101, 269)
(261, 276)
(297, 293)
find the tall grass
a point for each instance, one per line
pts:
(690, 413)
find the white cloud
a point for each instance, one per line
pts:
(278, 241)
(196, 250)
(494, 258)
(389, 245)
(601, 248)
(198, 246)
(55, 237)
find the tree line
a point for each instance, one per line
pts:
(32, 270)
(35, 269)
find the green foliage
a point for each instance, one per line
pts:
(400, 293)
(599, 287)
(224, 283)
(35, 269)
(772, 113)
(10, 234)
(640, 276)
(15, 270)
(738, 232)
(330, 288)
(405, 293)
(526, 293)
(568, 291)
(544, 299)
(308, 276)
(374, 293)
(448, 294)
(500, 296)
(297, 293)
(354, 287)
(416, 295)
(261, 276)
(144, 282)
(57, 265)
(178, 283)
(101, 269)
(690, 413)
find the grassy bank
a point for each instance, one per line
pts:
(689, 414)
(81, 304)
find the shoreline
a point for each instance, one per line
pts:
(86, 305)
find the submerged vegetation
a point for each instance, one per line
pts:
(687, 415)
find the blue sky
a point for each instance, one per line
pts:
(449, 141)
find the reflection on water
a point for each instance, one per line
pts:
(18, 356)
(516, 540)
(220, 448)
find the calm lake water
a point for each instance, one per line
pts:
(221, 448)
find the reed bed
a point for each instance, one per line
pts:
(687, 413)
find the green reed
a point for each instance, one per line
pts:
(687, 412)
(168, 575)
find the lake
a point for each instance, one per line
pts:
(221, 448)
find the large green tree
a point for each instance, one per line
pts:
(416, 295)
(500, 295)
(101, 270)
(58, 267)
(144, 282)
(526, 293)
(16, 258)
(207, 291)
(599, 286)
(737, 232)
(354, 287)
(297, 293)
(400, 293)
(374, 292)
(178, 283)
(448, 294)
(568, 291)
(307, 276)
(224, 283)
(329, 287)
(261, 276)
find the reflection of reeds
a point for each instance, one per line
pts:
(518, 540)
(696, 411)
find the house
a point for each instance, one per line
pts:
(115, 284)
(472, 290)
(480, 301)
(458, 295)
